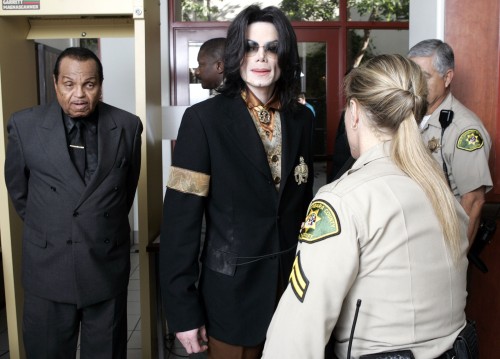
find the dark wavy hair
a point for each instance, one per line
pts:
(80, 54)
(288, 85)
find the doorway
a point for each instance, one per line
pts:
(187, 43)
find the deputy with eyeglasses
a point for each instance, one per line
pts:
(243, 159)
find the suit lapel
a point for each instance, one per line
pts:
(52, 136)
(242, 129)
(291, 141)
(108, 139)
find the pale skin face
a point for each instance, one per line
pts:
(260, 72)
(437, 84)
(78, 88)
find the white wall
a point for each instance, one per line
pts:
(426, 20)
(117, 57)
(118, 88)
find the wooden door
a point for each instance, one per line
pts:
(472, 31)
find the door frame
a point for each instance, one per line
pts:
(179, 84)
(334, 64)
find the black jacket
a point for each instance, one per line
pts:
(76, 240)
(245, 216)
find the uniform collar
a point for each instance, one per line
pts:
(446, 104)
(378, 151)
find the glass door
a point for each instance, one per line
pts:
(320, 59)
(185, 88)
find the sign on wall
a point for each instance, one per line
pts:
(20, 4)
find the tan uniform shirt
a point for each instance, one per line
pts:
(465, 145)
(371, 235)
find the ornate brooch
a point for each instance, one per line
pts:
(264, 116)
(301, 172)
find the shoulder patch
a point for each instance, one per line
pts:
(470, 140)
(298, 280)
(321, 222)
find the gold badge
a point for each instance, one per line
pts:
(301, 172)
(321, 222)
(433, 144)
(298, 279)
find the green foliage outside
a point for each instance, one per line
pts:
(300, 10)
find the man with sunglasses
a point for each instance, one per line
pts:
(243, 159)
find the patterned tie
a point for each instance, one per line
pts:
(77, 147)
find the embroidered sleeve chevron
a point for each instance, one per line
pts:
(298, 279)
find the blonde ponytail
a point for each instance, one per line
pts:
(392, 91)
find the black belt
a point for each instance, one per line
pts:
(450, 354)
(405, 354)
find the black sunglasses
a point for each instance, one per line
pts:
(270, 48)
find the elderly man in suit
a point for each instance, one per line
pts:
(243, 159)
(71, 170)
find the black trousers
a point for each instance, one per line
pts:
(51, 329)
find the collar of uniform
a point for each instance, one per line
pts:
(446, 104)
(380, 150)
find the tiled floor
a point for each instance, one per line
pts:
(173, 349)
(133, 316)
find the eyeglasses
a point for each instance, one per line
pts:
(270, 48)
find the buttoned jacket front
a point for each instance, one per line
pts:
(76, 239)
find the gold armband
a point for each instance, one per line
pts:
(188, 181)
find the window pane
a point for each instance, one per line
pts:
(213, 10)
(311, 10)
(378, 10)
(313, 83)
(367, 43)
(226, 10)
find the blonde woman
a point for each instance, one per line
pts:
(388, 232)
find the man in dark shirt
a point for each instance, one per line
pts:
(71, 170)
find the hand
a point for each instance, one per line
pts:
(194, 341)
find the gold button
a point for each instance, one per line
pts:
(277, 180)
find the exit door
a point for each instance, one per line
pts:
(187, 44)
(321, 59)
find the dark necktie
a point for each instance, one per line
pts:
(77, 147)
